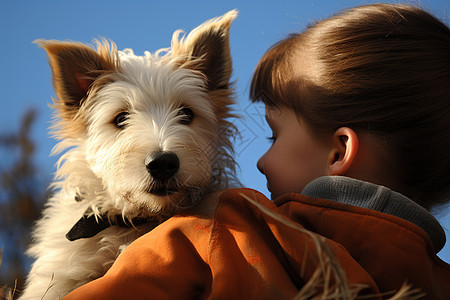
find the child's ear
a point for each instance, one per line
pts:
(207, 49)
(345, 148)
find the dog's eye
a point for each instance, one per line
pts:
(186, 115)
(121, 119)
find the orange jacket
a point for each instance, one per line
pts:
(229, 248)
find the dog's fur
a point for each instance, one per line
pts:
(116, 114)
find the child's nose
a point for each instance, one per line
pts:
(260, 164)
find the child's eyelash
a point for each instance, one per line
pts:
(271, 139)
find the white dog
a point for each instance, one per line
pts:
(142, 137)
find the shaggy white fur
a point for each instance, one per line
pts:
(140, 137)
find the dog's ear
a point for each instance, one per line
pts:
(207, 49)
(74, 68)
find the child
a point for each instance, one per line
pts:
(359, 109)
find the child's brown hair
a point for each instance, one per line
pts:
(383, 69)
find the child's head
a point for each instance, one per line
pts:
(382, 73)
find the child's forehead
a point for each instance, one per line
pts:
(276, 115)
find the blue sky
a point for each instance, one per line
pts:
(148, 25)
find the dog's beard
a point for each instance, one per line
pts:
(132, 195)
(162, 201)
(162, 189)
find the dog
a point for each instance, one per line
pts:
(140, 138)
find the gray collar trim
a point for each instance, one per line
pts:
(371, 196)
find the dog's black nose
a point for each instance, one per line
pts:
(163, 165)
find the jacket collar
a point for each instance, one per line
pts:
(371, 196)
